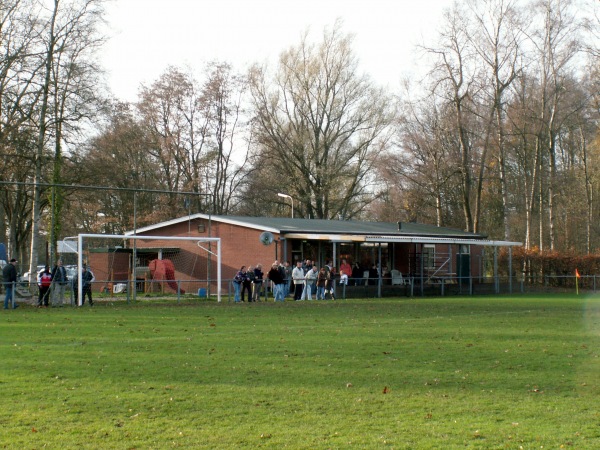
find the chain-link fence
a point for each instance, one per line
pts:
(180, 290)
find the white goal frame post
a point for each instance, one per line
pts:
(135, 237)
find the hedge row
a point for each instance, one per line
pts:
(533, 263)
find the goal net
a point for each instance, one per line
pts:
(148, 265)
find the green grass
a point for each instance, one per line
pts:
(482, 372)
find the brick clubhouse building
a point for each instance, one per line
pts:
(387, 257)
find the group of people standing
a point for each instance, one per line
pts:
(279, 275)
(248, 281)
(51, 285)
(304, 281)
(59, 281)
(309, 279)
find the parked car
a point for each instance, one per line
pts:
(26, 278)
(71, 271)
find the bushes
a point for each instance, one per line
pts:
(536, 265)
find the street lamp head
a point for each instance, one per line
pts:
(291, 200)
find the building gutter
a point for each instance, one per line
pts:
(399, 239)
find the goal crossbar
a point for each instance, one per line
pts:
(134, 237)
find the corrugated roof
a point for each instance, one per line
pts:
(441, 240)
(285, 226)
(321, 226)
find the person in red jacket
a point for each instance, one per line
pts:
(344, 266)
(44, 283)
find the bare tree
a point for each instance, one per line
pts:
(454, 78)
(496, 37)
(591, 23)
(425, 163)
(120, 149)
(75, 78)
(224, 94)
(18, 40)
(527, 154)
(197, 131)
(67, 29)
(171, 109)
(320, 124)
(556, 44)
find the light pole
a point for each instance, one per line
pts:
(291, 199)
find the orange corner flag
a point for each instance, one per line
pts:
(577, 273)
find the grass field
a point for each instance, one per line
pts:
(479, 372)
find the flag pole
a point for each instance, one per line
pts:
(577, 282)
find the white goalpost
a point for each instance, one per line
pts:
(155, 245)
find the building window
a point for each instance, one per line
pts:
(428, 256)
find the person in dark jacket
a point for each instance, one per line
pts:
(87, 278)
(59, 283)
(373, 275)
(247, 283)
(9, 277)
(278, 280)
(357, 274)
(258, 281)
(287, 278)
(239, 278)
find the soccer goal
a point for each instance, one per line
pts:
(148, 265)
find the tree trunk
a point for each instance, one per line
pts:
(41, 140)
(502, 164)
(589, 192)
(465, 166)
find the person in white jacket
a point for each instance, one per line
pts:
(311, 283)
(298, 279)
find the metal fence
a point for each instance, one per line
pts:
(185, 290)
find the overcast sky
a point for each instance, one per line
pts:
(149, 35)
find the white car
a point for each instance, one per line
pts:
(25, 278)
(71, 272)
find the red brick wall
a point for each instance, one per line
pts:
(239, 246)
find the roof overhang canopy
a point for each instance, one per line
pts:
(442, 240)
(326, 237)
(138, 250)
(401, 239)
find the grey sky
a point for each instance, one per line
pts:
(149, 35)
